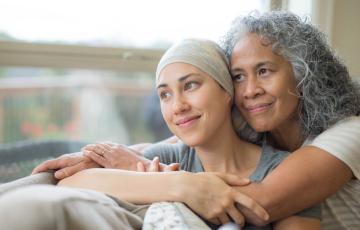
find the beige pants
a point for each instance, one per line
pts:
(50, 207)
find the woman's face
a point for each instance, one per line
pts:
(193, 104)
(265, 85)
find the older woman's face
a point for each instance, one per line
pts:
(265, 86)
(193, 104)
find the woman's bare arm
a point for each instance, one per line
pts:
(135, 187)
(149, 187)
(305, 178)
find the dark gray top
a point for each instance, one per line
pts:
(189, 161)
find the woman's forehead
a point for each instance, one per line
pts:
(179, 71)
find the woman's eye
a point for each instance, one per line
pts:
(263, 71)
(238, 78)
(190, 85)
(164, 95)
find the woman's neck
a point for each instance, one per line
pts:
(287, 137)
(226, 152)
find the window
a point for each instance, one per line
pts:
(130, 23)
(84, 70)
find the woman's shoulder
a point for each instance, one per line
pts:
(170, 152)
(342, 141)
(349, 125)
(270, 158)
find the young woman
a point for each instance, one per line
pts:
(196, 94)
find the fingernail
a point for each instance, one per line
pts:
(265, 216)
(59, 174)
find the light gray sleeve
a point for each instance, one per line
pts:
(168, 153)
(343, 141)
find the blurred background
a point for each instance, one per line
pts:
(83, 71)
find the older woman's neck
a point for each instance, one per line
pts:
(288, 137)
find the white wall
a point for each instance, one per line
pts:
(346, 33)
(340, 20)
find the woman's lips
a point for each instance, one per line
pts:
(185, 122)
(258, 108)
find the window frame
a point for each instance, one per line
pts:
(23, 54)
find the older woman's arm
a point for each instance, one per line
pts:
(312, 173)
(306, 177)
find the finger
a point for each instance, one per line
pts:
(105, 146)
(154, 165)
(49, 164)
(236, 215)
(97, 148)
(140, 167)
(60, 162)
(89, 147)
(71, 170)
(97, 158)
(233, 180)
(172, 167)
(109, 143)
(100, 149)
(252, 205)
(223, 218)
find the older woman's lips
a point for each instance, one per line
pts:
(188, 121)
(258, 108)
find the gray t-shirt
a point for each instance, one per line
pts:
(189, 161)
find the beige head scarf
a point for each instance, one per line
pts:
(203, 54)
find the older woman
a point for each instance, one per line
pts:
(290, 84)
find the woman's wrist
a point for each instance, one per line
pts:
(180, 188)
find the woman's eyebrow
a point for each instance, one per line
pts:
(260, 64)
(256, 66)
(187, 76)
(181, 79)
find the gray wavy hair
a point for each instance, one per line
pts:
(326, 91)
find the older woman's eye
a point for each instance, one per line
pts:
(238, 78)
(263, 71)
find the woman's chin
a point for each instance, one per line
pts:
(191, 141)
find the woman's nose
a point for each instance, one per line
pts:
(180, 104)
(252, 89)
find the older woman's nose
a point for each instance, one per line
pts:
(252, 89)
